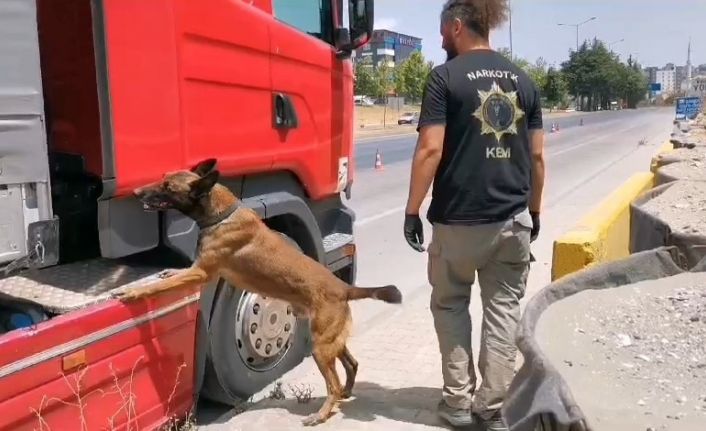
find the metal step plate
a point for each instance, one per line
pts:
(66, 288)
(336, 240)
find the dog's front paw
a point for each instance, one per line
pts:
(167, 273)
(312, 420)
(124, 295)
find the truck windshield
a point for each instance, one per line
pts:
(310, 16)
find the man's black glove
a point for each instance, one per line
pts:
(414, 231)
(535, 226)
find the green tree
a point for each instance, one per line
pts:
(537, 71)
(411, 76)
(384, 77)
(365, 84)
(555, 89)
(597, 77)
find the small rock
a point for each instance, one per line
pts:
(628, 365)
(644, 358)
(694, 319)
(682, 399)
(624, 340)
(641, 403)
(569, 363)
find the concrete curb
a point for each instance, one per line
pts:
(603, 234)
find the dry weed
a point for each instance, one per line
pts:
(127, 407)
(302, 393)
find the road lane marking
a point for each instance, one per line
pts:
(386, 213)
(371, 139)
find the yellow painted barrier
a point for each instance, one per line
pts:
(603, 234)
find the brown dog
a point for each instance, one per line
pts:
(237, 246)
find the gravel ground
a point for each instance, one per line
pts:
(687, 170)
(634, 356)
(682, 206)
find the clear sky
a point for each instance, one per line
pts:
(655, 31)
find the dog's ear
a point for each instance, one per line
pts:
(203, 167)
(202, 186)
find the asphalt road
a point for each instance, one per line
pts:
(584, 164)
(400, 148)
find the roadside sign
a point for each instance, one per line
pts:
(698, 86)
(655, 87)
(688, 108)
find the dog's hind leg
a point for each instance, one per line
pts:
(325, 358)
(351, 367)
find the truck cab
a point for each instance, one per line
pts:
(98, 97)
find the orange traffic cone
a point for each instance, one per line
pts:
(378, 161)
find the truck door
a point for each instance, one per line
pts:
(24, 166)
(225, 84)
(308, 81)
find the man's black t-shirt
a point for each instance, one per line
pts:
(488, 105)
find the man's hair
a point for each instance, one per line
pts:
(480, 16)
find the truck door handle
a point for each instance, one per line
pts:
(285, 115)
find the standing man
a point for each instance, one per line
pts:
(481, 141)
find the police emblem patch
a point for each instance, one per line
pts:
(498, 112)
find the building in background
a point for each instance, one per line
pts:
(387, 47)
(667, 79)
(681, 77)
(651, 74)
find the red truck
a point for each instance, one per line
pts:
(98, 97)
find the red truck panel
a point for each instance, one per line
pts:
(308, 71)
(140, 367)
(192, 80)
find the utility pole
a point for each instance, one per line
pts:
(578, 96)
(577, 29)
(512, 55)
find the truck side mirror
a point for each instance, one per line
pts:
(360, 27)
(361, 19)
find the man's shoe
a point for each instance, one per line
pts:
(455, 417)
(495, 423)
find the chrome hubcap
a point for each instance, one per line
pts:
(263, 329)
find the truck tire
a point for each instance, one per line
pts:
(253, 340)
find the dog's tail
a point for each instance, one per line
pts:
(390, 294)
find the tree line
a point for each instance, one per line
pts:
(593, 74)
(406, 79)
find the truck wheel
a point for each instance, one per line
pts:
(253, 341)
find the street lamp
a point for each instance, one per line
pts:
(577, 29)
(610, 45)
(578, 101)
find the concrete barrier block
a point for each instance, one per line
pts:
(656, 162)
(603, 234)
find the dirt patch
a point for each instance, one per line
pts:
(634, 356)
(378, 116)
(682, 206)
(686, 170)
